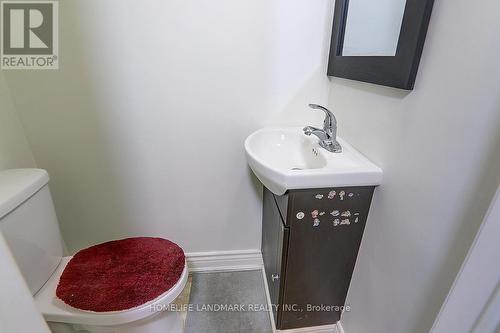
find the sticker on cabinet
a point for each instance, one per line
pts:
(345, 221)
(341, 195)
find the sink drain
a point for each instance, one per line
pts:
(296, 169)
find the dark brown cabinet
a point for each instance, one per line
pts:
(310, 241)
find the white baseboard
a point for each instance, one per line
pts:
(316, 329)
(224, 261)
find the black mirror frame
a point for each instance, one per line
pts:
(397, 71)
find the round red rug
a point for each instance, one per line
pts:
(121, 274)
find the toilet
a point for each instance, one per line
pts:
(29, 225)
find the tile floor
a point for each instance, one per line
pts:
(241, 293)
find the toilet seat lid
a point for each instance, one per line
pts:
(121, 274)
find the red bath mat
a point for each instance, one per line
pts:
(121, 274)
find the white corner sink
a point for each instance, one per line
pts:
(285, 159)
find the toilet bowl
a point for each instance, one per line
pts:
(29, 225)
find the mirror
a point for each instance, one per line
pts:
(379, 41)
(372, 27)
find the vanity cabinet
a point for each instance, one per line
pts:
(310, 241)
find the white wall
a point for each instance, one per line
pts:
(17, 309)
(142, 127)
(473, 303)
(439, 147)
(14, 148)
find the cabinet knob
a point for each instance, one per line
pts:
(275, 277)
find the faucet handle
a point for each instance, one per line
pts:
(330, 121)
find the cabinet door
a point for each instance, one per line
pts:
(321, 256)
(274, 244)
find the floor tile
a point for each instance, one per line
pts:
(243, 291)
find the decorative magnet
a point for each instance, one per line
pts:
(350, 195)
(300, 215)
(335, 213)
(336, 222)
(331, 194)
(356, 220)
(347, 213)
(319, 196)
(341, 194)
(321, 213)
(345, 221)
(314, 213)
(316, 222)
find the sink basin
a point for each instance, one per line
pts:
(285, 159)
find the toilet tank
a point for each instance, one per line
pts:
(29, 224)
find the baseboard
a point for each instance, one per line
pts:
(315, 329)
(224, 261)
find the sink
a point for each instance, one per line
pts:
(284, 158)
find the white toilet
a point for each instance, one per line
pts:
(29, 225)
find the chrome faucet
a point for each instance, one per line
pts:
(328, 135)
